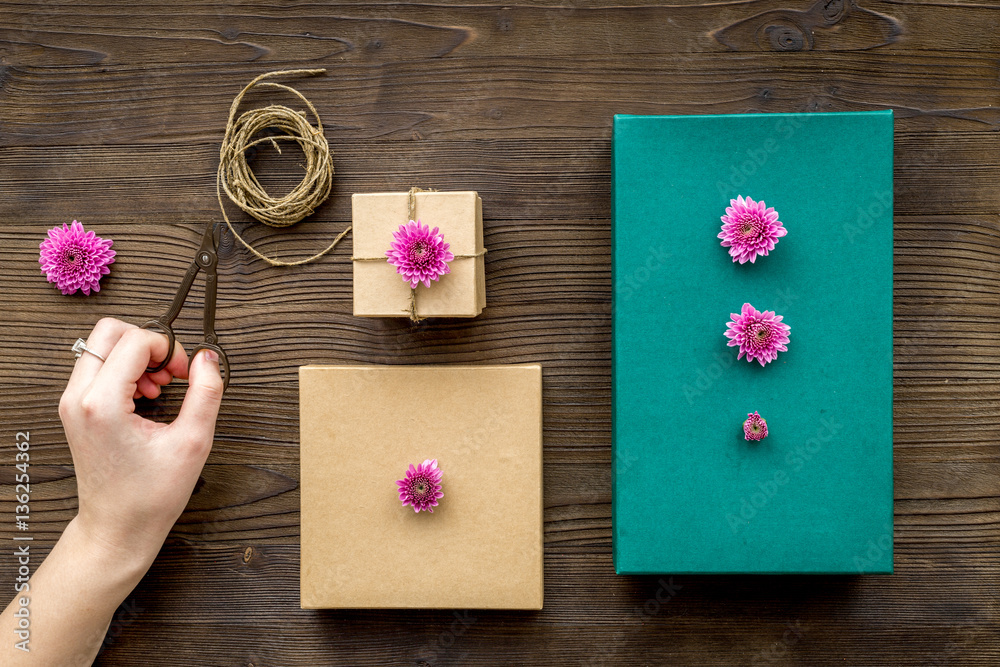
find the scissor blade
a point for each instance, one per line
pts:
(216, 235)
(210, 238)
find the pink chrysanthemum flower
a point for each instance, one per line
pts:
(749, 229)
(419, 253)
(421, 487)
(759, 335)
(754, 428)
(75, 259)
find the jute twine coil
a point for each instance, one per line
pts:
(411, 209)
(238, 181)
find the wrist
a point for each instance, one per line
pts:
(124, 561)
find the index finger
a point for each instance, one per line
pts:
(119, 376)
(101, 340)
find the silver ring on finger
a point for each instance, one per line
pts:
(80, 346)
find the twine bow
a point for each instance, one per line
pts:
(411, 209)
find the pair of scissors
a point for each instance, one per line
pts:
(207, 260)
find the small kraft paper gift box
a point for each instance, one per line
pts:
(379, 291)
(362, 427)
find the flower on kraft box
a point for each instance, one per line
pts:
(419, 253)
(749, 229)
(754, 428)
(759, 335)
(421, 487)
(75, 259)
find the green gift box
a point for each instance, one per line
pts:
(691, 495)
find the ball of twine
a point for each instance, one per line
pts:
(237, 180)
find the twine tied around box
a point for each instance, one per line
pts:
(411, 208)
(238, 181)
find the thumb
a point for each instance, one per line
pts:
(200, 408)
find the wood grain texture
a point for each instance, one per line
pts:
(112, 113)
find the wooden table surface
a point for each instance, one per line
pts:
(112, 113)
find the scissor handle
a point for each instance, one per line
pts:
(169, 333)
(223, 361)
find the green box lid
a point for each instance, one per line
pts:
(691, 495)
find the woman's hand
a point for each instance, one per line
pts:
(134, 476)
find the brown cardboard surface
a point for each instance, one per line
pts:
(380, 292)
(361, 427)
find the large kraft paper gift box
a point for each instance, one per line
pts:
(361, 427)
(691, 494)
(381, 292)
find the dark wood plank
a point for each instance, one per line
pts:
(259, 503)
(236, 546)
(688, 627)
(112, 113)
(523, 97)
